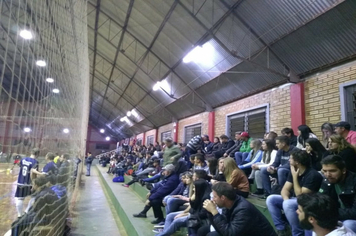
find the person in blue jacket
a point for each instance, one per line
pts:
(156, 195)
(254, 156)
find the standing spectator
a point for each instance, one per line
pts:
(319, 213)
(268, 157)
(171, 152)
(339, 146)
(280, 167)
(158, 147)
(195, 144)
(290, 133)
(239, 217)
(254, 156)
(302, 179)
(316, 152)
(226, 143)
(340, 185)
(327, 129)
(236, 177)
(343, 128)
(236, 147)
(304, 132)
(88, 160)
(244, 149)
(50, 168)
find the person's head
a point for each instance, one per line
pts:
(192, 159)
(299, 158)
(313, 145)
(282, 142)
(89, 153)
(229, 167)
(244, 136)
(216, 140)
(35, 152)
(168, 170)
(201, 189)
(199, 174)
(221, 164)
(223, 194)
(327, 129)
(238, 135)
(224, 138)
(265, 135)
(188, 177)
(333, 168)
(268, 145)
(342, 128)
(337, 143)
(315, 209)
(287, 132)
(199, 159)
(212, 164)
(64, 157)
(205, 138)
(256, 145)
(272, 135)
(169, 142)
(39, 183)
(156, 162)
(304, 131)
(50, 156)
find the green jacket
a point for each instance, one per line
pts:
(168, 153)
(246, 146)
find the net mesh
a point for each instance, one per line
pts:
(42, 41)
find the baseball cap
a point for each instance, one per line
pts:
(343, 124)
(169, 167)
(245, 135)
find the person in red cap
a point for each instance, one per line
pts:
(244, 149)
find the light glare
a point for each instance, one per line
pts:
(26, 34)
(27, 130)
(128, 113)
(156, 86)
(107, 138)
(50, 80)
(66, 131)
(55, 90)
(41, 63)
(102, 131)
(200, 54)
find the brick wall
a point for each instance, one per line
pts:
(322, 96)
(165, 128)
(278, 99)
(200, 118)
(149, 133)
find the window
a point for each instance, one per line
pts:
(102, 146)
(191, 131)
(150, 139)
(348, 107)
(254, 121)
(164, 135)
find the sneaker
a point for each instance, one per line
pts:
(258, 192)
(157, 231)
(284, 232)
(125, 185)
(160, 225)
(157, 221)
(140, 215)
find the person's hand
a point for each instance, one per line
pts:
(175, 196)
(210, 207)
(148, 195)
(180, 215)
(271, 169)
(295, 172)
(213, 181)
(147, 203)
(255, 167)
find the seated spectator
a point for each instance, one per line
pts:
(318, 212)
(280, 167)
(343, 129)
(236, 147)
(304, 133)
(65, 167)
(268, 157)
(316, 152)
(154, 168)
(239, 217)
(271, 135)
(212, 167)
(236, 177)
(199, 163)
(213, 147)
(340, 185)
(244, 149)
(145, 166)
(339, 146)
(206, 143)
(226, 143)
(290, 134)
(220, 172)
(327, 129)
(254, 156)
(156, 195)
(301, 179)
(158, 147)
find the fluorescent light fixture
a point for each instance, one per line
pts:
(128, 113)
(55, 90)
(49, 80)
(123, 119)
(102, 131)
(27, 129)
(26, 34)
(200, 54)
(156, 86)
(66, 131)
(107, 138)
(134, 113)
(41, 63)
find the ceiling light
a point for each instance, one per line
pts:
(200, 54)
(66, 131)
(107, 138)
(156, 86)
(55, 90)
(27, 130)
(102, 131)
(26, 34)
(41, 63)
(134, 113)
(50, 80)
(128, 113)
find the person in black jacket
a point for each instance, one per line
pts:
(236, 147)
(340, 185)
(239, 217)
(226, 144)
(290, 134)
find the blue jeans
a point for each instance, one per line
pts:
(152, 179)
(172, 225)
(266, 183)
(282, 174)
(173, 204)
(351, 224)
(275, 204)
(240, 157)
(88, 168)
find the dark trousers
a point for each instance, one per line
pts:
(157, 208)
(204, 230)
(213, 234)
